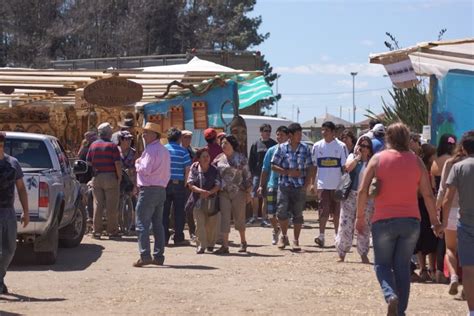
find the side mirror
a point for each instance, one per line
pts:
(79, 167)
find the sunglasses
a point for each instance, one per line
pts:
(364, 146)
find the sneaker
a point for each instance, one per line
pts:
(275, 235)
(200, 250)
(265, 223)
(243, 247)
(319, 241)
(252, 220)
(425, 275)
(392, 306)
(453, 287)
(283, 242)
(296, 246)
(142, 262)
(210, 249)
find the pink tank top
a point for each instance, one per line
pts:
(399, 176)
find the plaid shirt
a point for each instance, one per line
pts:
(300, 159)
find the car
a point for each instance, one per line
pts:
(57, 214)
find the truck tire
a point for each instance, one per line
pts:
(49, 257)
(74, 232)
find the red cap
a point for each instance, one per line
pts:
(210, 133)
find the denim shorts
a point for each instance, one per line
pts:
(466, 244)
(291, 202)
(255, 185)
(271, 197)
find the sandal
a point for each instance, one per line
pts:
(243, 247)
(222, 250)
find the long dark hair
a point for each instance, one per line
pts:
(447, 144)
(369, 141)
(232, 141)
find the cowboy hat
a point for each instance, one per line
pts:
(153, 127)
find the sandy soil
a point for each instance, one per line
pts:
(98, 277)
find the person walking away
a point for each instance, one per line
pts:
(445, 150)
(461, 180)
(329, 157)
(268, 187)
(104, 157)
(378, 142)
(85, 178)
(450, 232)
(204, 183)
(186, 138)
(292, 161)
(396, 219)
(153, 173)
(257, 154)
(355, 165)
(11, 176)
(175, 191)
(214, 149)
(427, 241)
(236, 185)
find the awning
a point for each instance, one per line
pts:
(253, 90)
(426, 59)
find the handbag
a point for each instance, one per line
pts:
(344, 187)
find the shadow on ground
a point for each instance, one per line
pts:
(13, 297)
(72, 259)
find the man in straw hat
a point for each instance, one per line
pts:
(153, 173)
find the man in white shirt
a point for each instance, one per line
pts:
(329, 156)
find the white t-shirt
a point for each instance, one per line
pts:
(329, 158)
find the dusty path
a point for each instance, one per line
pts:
(98, 277)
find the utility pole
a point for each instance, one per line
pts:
(353, 74)
(278, 76)
(298, 115)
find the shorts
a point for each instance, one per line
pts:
(255, 185)
(329, 204)
(272, 196)
(291, 201)
(453, 219)
(465, 244)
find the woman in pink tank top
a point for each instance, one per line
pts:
(396, 220)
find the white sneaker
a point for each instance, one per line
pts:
(275, 236)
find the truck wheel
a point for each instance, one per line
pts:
(49, 257)
(74, 232)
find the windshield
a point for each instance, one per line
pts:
(30, 153)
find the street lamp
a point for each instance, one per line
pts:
(353, 74)
(278, 76)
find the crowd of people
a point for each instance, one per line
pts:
(380, 188)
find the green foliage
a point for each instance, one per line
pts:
(409, 106)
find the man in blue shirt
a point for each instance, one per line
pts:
(292, 160)
(175, 191)
(271, 190)
(378, 142)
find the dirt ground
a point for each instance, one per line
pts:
(98, 278)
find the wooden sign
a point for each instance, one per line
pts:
(177, 117)
(200, 115)
(113, 91)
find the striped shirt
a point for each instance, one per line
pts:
(179, 160)
(102, 155)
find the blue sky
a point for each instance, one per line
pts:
(315, 45)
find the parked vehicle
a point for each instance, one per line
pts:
(57, 213)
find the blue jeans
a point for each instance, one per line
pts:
(150, 211)
(175, 195)
(7, 241)
(394, 240)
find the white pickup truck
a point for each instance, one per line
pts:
(57, 214)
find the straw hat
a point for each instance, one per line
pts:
(153, 127)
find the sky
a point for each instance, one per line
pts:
(315, 45)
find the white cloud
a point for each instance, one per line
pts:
(363, 70)
(348, 83)
(325, 58)
(367, 42)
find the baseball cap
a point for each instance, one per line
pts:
(210, 133)
(104, 127)
(186, 133)
(379, 129)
